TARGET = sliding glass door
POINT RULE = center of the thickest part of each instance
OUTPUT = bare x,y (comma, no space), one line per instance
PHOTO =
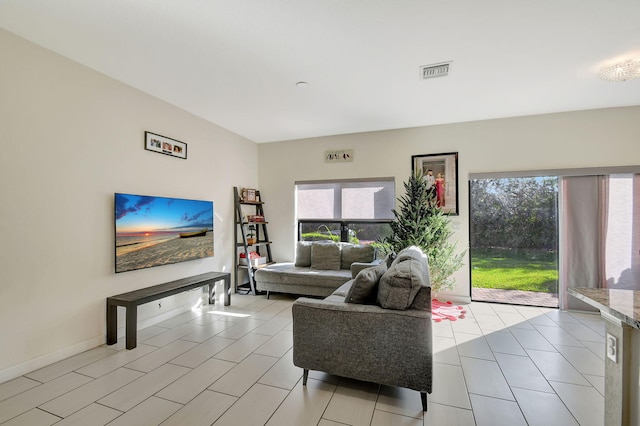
514,240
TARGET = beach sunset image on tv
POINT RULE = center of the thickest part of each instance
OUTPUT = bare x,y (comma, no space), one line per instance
153,231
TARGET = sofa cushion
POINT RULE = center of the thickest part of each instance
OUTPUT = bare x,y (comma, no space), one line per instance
399,286
303,253
325,256
352,253
364,289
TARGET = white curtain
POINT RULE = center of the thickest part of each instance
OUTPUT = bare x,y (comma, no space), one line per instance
583,235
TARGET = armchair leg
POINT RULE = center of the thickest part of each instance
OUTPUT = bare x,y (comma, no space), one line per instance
305,376
423,397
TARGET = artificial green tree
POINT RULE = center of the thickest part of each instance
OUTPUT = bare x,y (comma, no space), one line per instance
419,221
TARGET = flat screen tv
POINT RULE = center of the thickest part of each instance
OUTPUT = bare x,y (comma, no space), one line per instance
153,231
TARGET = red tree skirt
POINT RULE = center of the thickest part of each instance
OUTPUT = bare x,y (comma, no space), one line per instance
446,310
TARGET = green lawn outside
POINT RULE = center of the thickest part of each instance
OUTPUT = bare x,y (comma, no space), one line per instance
509,271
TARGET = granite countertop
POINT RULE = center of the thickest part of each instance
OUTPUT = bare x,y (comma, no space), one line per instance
621,304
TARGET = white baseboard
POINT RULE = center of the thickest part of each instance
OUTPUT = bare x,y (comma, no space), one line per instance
454,298
48,359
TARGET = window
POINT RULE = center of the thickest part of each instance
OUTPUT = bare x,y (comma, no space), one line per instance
357,210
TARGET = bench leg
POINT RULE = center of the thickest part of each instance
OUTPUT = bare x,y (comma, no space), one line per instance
305,376
112,323
423,397
132,326
227,290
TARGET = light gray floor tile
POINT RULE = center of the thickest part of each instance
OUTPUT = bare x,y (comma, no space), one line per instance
531,339
468,326
325,422
79,398
597,348
557,335
33,417
160,356
521,372
543,409
561,317
485,378
481,308
148,332
597,382
582,332
254,408
445,350
152,411
67,365
244,346
353,403
181,319
451,389
277,345
91,415
191,384
25,401
137,391
473,345
402,401
583,359
585,403
383,418
438,414
500,308
504,342
206,331
541,319
283,374
241,328
240,378
489,323
272,326
16,386
442,329
115,361
304,405
203,410
172,335
199,354
496,412
514,319
555,367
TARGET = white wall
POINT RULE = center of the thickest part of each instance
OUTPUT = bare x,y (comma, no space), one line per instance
608,137
70,138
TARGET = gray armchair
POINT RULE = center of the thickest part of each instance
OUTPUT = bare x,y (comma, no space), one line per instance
366,341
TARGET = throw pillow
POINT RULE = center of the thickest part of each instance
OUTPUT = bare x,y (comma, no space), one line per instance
325,256
364,289
303,253
352,253
400,284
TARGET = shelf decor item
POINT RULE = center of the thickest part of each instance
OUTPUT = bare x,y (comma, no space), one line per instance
248,195
164,145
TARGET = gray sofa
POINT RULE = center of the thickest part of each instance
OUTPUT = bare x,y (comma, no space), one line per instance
375,328
319,269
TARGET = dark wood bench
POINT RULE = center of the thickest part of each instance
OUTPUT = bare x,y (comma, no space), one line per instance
132,299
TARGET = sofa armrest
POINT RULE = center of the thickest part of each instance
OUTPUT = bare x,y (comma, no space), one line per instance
359,266
364,342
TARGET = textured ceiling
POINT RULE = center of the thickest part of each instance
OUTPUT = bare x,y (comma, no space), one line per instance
236,63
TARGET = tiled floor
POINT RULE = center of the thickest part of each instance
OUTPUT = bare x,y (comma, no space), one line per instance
501,365
516,297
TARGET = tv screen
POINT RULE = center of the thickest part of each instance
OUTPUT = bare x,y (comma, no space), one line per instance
153,231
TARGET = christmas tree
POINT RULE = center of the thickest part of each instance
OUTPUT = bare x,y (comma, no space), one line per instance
420,222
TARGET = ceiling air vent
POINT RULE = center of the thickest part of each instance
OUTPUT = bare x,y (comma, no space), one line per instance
434,70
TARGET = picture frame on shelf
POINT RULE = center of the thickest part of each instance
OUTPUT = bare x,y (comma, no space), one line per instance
441,170
164,145
249,195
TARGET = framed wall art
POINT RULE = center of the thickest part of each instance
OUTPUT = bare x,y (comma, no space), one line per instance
165,145
441,171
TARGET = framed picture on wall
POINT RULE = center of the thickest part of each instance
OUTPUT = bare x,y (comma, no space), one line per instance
441,171
165,145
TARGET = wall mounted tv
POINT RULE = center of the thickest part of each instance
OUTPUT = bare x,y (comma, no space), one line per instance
153,231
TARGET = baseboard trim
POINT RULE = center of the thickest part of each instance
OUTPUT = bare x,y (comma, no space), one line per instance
51,358
454,298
